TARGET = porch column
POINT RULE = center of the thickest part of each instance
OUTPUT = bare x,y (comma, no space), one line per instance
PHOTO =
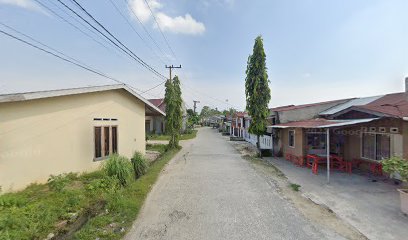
328,153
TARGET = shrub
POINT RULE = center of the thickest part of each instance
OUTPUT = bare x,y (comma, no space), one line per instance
102,185
295,187
58,182
139,164
396,165
118,167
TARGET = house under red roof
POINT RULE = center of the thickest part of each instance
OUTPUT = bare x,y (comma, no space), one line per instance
159,103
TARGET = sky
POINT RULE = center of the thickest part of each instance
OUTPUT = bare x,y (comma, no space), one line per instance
316,50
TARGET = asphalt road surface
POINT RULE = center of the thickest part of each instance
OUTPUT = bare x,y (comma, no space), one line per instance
209,192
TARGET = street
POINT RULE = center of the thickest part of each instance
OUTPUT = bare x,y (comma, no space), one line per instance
210,192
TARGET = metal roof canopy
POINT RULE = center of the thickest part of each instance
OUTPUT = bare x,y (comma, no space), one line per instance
325,124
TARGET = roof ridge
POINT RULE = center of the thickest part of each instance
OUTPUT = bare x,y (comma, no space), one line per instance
63,89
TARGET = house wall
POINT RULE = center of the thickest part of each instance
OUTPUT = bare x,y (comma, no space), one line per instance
151,125
298,150
352,144
158,122
56,135
405,139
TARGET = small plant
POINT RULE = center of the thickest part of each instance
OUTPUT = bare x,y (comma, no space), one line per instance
101,185
57,183
139,164
396,165
118,167
295,187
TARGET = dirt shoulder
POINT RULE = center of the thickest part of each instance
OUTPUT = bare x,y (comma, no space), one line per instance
320,215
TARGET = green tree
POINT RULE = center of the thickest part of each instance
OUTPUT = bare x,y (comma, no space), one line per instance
257,90
192,117
174,113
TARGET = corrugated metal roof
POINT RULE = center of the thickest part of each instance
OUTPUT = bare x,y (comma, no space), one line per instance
25,96
395,104
295,107
352,102
322,123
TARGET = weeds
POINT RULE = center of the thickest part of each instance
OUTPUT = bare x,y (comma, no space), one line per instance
35,212
118,167
295,187
139,164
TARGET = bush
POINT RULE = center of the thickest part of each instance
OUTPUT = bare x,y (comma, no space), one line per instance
396,165
118,167
139,164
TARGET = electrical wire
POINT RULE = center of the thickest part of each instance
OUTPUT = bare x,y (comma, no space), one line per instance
122,47
161,31
134,30
144,28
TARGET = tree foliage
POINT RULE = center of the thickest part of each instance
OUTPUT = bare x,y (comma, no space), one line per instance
207,111
174,113
192,118
257,89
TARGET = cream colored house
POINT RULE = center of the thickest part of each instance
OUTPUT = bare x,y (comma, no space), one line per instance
70,130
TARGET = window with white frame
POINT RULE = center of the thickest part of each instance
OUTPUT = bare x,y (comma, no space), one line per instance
291,138
375,146
105,141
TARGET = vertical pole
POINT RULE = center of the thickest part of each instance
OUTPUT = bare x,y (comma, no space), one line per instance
328,153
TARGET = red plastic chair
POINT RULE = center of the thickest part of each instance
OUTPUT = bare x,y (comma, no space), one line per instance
300,161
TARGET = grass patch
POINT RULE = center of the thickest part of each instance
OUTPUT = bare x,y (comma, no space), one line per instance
295,187
41,209
161,148
163,137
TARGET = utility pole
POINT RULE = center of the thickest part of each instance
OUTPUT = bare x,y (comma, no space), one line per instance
195,105
170,70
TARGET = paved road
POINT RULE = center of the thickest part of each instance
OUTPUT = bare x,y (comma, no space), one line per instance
212,193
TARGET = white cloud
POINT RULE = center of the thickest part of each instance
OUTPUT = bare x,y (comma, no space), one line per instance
27,4
142,11
180,24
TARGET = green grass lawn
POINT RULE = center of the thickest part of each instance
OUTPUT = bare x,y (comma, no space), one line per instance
191,135
41,209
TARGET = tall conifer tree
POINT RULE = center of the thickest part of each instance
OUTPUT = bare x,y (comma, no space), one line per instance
257,90
174,113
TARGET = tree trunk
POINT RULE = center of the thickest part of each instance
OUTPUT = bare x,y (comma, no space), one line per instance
258,146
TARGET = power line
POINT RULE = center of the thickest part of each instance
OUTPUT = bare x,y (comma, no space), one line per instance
208,96
156,86
124,48
144,27
64,57
133,28
138,59
158,26
66,21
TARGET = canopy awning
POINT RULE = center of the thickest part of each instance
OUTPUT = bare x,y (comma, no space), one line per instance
322,123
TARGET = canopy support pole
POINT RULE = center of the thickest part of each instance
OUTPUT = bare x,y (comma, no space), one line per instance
328,153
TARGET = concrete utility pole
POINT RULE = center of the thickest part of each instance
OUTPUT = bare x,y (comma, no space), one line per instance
171,68
195,105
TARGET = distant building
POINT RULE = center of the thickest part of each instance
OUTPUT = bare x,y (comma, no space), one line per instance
155,124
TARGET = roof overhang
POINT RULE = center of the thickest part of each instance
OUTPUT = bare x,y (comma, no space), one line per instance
324,124
17,97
